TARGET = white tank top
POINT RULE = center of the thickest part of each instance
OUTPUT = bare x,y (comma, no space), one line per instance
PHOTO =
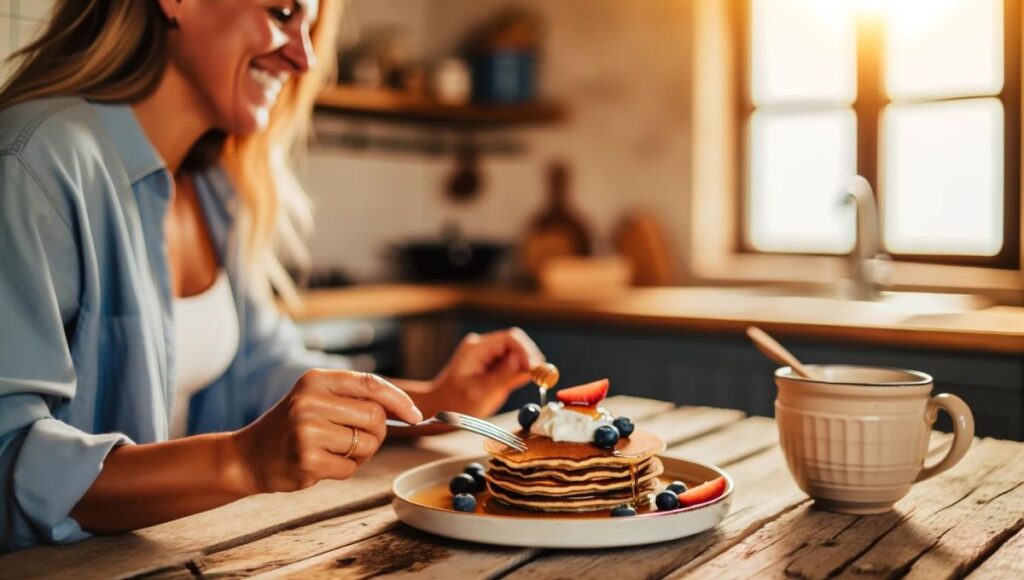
206,340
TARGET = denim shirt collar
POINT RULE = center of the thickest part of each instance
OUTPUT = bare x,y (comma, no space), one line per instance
133,146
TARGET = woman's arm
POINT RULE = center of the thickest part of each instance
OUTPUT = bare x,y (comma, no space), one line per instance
143,485
306,437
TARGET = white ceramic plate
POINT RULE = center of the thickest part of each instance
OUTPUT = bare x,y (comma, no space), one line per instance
526,530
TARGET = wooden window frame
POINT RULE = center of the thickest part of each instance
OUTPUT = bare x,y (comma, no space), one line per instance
869,105
715,254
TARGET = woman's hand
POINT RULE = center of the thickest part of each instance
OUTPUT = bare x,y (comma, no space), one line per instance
308,435
483,371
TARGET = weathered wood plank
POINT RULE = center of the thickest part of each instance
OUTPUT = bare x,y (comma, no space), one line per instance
687,423
472,560
408,552
945,511
280,549
1007,563
741,439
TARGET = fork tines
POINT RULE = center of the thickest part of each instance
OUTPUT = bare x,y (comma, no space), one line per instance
484,428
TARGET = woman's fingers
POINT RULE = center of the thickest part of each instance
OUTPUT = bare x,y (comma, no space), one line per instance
346,411
513,343
319,464
369,387
345,441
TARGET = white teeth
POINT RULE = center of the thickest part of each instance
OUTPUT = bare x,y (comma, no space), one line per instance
271,84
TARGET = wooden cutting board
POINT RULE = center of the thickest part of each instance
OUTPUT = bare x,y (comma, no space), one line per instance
642,240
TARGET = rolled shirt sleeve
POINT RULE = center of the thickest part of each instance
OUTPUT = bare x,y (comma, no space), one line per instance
46,465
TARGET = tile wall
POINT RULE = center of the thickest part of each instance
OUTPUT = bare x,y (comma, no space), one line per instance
19,23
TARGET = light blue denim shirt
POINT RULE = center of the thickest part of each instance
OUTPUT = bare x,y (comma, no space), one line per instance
86,328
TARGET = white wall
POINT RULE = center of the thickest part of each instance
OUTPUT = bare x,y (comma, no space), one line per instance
622,68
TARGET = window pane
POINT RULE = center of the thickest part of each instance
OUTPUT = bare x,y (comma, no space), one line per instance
799,165
944,48
943,178
802,50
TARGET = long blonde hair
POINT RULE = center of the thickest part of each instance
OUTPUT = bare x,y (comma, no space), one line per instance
116,51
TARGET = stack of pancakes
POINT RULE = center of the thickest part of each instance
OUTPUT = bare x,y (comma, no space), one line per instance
574,477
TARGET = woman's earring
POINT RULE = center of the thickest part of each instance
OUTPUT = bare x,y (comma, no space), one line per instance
173,23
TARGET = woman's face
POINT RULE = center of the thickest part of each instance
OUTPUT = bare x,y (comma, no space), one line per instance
236,55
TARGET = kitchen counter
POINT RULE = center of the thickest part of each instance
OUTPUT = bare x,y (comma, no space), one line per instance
997,329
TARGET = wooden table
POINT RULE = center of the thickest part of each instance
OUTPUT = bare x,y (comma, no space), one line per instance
967,522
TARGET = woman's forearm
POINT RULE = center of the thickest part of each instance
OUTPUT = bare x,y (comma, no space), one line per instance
144,485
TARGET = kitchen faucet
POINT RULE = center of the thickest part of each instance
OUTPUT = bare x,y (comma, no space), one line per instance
868,266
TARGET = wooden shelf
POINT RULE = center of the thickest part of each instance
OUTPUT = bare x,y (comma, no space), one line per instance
395,106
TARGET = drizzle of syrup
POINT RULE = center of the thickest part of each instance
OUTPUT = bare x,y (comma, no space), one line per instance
632,485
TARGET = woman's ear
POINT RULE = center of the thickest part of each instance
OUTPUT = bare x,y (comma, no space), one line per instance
172,11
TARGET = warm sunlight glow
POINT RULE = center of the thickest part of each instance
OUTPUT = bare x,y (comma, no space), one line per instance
943,184
944,48
799,164
802,50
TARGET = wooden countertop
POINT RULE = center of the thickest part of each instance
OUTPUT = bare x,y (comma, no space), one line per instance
964,521
993,329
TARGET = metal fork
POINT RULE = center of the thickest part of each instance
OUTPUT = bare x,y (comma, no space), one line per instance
478,426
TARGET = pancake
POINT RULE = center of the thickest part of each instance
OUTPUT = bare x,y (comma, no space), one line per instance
555,487
563,476
575,475
570,503
544,452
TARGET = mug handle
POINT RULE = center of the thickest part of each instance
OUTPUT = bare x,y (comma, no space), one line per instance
963,431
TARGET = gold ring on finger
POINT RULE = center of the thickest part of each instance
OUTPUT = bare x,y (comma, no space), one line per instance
353,444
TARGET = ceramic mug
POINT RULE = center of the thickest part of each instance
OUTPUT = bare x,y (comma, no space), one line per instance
856,437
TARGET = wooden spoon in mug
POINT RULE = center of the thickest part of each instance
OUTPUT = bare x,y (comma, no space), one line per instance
775,351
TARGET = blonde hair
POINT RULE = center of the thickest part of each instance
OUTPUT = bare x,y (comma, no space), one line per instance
116,51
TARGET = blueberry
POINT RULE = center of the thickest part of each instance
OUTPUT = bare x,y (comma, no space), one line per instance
464,502
624,425
623,510
677,486
476,471
606,436
528,414
667,500
463,483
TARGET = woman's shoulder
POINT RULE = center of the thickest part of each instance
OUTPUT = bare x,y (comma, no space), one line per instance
64,144
55,121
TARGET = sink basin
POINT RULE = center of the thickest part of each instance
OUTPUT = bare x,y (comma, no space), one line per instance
905,302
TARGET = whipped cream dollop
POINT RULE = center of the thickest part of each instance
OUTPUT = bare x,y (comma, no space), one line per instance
563,424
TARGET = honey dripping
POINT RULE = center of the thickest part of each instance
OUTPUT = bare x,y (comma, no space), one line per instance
545,376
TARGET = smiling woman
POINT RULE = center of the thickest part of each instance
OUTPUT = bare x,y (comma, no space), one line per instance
144,184
123,51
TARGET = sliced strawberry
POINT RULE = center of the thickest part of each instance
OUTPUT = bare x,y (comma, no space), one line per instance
589,394
704,492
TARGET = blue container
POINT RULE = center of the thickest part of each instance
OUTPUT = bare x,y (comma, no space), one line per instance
504,77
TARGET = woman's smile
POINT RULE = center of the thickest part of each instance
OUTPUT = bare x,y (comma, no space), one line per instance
265,85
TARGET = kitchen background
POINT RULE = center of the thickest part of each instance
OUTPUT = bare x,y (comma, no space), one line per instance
635,105
621,73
